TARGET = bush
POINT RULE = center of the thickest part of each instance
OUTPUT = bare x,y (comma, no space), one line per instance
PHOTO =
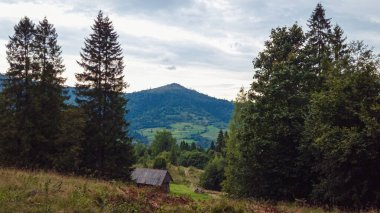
159,163
213,175
193,158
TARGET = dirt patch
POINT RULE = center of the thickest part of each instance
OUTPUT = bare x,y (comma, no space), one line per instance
152,198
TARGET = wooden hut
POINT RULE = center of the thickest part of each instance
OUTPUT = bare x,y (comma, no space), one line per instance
152,177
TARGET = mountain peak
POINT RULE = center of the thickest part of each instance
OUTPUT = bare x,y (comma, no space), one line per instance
172,86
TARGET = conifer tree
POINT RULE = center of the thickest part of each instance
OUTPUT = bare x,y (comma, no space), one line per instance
338,45
220,142
212,146
318,48
107,150
19,96
48,67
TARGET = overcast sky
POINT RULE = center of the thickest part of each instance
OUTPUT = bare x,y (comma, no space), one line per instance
206,45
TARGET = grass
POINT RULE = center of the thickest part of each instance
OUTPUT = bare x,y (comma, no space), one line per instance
180,189
34,191
211,132
185,175
183,131
27,191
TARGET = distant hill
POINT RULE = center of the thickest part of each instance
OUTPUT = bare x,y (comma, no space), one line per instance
188,114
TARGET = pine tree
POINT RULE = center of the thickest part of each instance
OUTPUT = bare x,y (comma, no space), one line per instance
108,150
338,45
48,67
212,146
318,48
193,146
19,94
220,142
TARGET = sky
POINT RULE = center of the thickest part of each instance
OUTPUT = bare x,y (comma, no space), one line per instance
206,45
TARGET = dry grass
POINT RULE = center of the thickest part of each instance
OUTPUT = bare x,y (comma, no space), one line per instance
31,191
25,191
185,175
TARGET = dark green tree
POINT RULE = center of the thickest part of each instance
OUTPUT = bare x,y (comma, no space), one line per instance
193,146
173,155
159,163
48,68
338,44
317,49
108,150
344,128
20,140
212,146
213,175
163,141
183,146
235,162
68,146
220,143
193,158
265,142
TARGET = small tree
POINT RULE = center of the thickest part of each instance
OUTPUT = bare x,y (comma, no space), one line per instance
212,146
159,163
214,174
220,143
163,141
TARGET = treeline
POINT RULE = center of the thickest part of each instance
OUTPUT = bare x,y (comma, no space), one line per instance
309,127
164,149
38,131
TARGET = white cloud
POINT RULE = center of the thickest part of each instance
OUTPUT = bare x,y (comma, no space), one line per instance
210,43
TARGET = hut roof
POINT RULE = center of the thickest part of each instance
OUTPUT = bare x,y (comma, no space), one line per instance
153,177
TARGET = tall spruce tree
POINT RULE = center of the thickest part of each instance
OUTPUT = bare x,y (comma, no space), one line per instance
318,48
338,46
19,97
107,150
48,67
220,142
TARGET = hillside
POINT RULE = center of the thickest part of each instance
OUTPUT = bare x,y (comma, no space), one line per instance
26,191
188,114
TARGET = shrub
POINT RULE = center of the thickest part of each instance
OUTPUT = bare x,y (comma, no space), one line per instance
159,163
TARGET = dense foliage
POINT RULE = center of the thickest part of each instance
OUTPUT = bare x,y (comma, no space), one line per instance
163,141
32,100
309,126
39,130
214,174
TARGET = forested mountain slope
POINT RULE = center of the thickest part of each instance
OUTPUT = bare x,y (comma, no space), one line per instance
190,115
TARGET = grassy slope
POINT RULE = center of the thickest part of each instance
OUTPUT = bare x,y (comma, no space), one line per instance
183,131
22,191
183,190
25,191
185,175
